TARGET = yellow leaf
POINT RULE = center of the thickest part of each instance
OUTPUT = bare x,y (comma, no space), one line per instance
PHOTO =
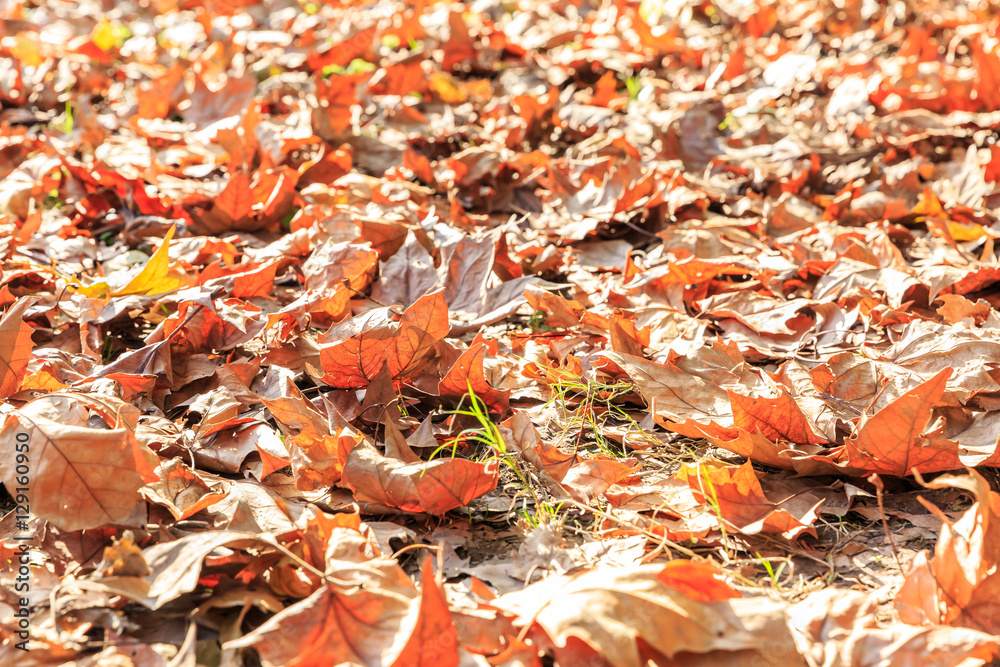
447,89
961,232
96,290
26,50
105,35
42,380
154,277
928,204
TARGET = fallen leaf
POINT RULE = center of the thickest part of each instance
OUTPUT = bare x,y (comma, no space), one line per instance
893,442
15,347
953,587
80,476
740,499
468,372
402,481
353,352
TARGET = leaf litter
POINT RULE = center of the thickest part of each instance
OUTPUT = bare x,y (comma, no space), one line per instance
499,333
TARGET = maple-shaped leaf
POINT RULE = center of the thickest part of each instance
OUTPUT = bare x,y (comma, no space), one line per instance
173,568
569,474
180,490
619,614
469,371
737,495
892,442
81,476
805,460
353,352
955,586
676,394
434,640
400,479
334,263
15,347
407,275
591,476
203,324
252,281
317,447
274,191
336,95
778,419
236,199
209,106
372,625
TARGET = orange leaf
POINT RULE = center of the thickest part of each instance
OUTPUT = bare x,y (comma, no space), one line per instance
777,419
358,348
15,347
236,199
255,282
333,626
892,441
468,370
434,640
433,487
317,449
699,580
741,502
419,165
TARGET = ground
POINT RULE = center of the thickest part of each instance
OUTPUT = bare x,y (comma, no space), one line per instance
499,333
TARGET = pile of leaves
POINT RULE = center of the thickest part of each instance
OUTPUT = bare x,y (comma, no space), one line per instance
499,333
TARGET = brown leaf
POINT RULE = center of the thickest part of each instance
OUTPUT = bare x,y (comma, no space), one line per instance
80,476
677,394
181,490
174,567
411,485
953,587
609,613
406,276
333,263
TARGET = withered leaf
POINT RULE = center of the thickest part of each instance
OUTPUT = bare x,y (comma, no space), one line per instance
352,353
406,483
15,347
80,476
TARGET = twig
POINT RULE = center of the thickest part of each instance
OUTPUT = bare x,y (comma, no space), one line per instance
877,481
648,533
